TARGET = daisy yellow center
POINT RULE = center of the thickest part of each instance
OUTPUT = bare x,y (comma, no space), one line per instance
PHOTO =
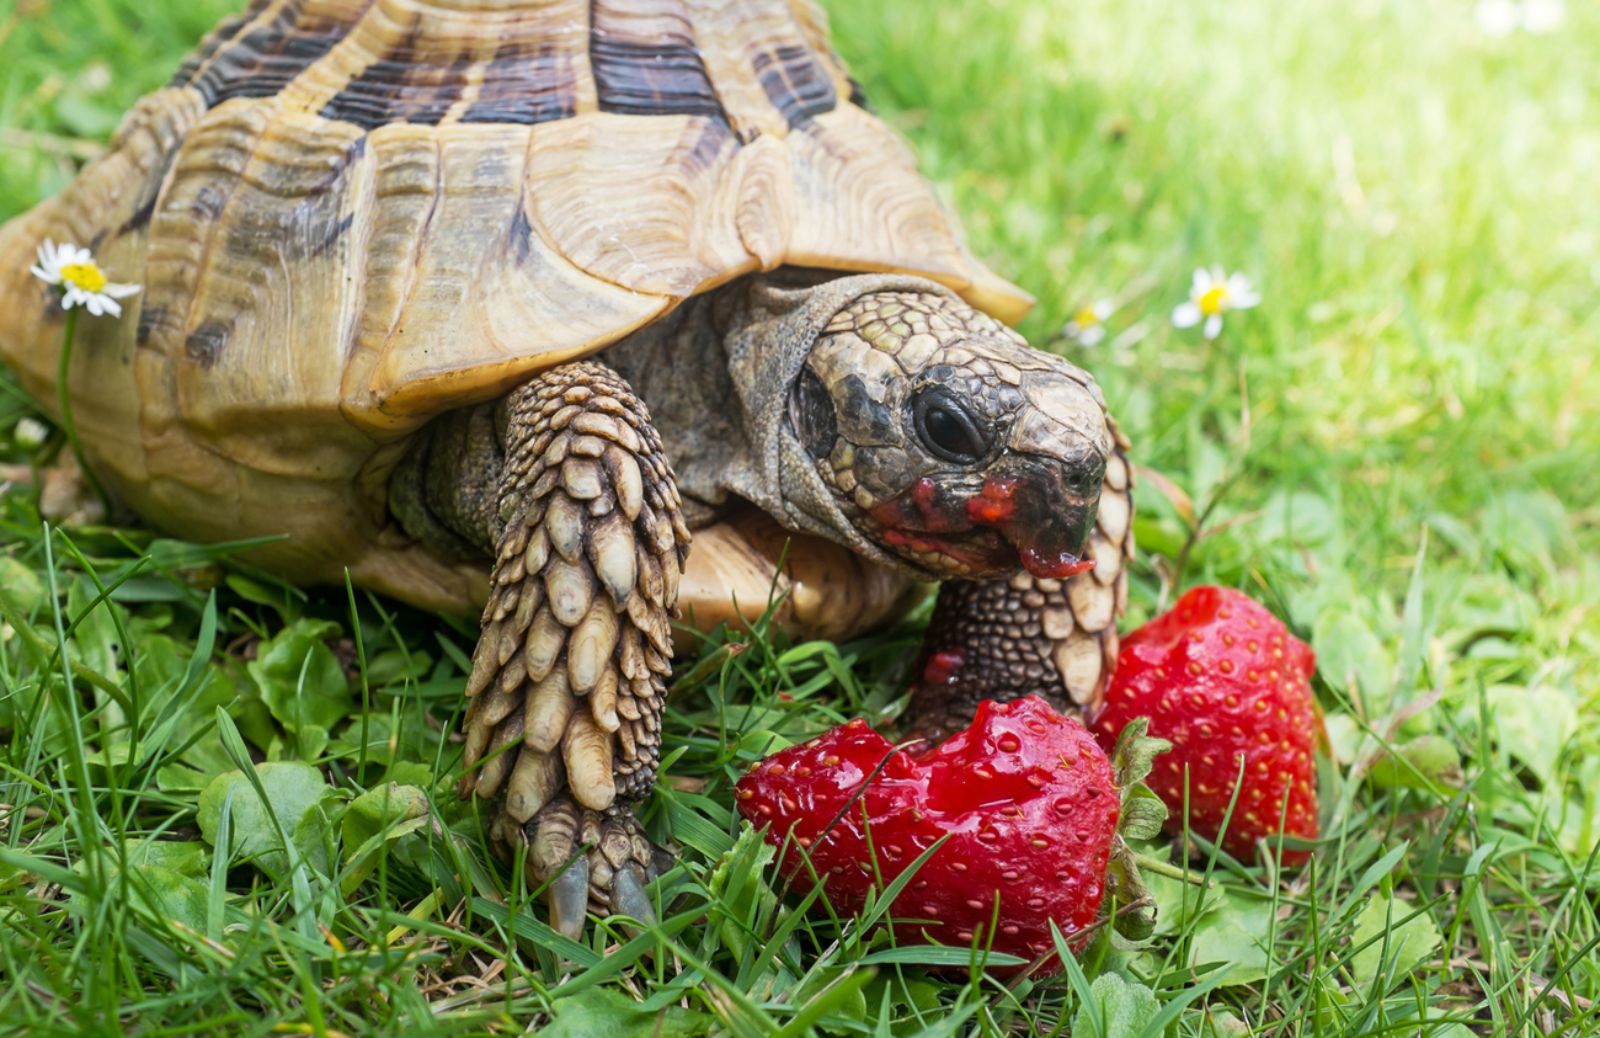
86,276
1212,300
1086,318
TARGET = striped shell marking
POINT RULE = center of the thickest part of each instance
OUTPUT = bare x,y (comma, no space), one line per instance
351,215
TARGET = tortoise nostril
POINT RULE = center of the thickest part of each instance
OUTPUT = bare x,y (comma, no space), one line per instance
1083,476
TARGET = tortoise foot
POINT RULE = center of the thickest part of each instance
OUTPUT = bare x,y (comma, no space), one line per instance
589,862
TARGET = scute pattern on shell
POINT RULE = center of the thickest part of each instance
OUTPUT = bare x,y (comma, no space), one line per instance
351,215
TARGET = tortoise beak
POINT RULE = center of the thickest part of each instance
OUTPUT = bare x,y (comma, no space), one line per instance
1034,507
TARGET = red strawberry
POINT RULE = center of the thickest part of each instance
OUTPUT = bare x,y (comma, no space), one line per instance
1221,677
1028,800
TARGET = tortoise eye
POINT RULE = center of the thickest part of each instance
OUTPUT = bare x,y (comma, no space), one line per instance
947,428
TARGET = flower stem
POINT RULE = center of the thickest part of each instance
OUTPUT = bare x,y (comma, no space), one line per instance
64,402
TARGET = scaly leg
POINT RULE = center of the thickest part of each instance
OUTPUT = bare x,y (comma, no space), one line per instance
568,680
1004,639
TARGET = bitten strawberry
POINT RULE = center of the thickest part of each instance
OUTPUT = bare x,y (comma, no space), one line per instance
1221,677
1029,802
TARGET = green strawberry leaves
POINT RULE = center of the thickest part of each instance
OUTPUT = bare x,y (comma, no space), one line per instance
1143,815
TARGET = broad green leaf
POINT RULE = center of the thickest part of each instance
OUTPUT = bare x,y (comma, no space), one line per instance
186,857
1346,738
375,819
1299,518
170,894
1426,762
294,789
1533,724
180,778
606,1013
835,991
1120,1009
1234,933
1487,605
392,667
1177,902
164,878
1223,1024
21,592
391,811
1407,945
1525,527
903,996
1350,653
411,773
302,683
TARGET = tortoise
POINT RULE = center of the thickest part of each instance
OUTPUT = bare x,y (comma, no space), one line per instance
500,305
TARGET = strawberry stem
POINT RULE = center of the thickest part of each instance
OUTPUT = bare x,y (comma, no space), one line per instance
1169,870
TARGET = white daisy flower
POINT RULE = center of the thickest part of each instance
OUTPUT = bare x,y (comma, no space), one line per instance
1498,17
1504,17
1088,325
1540,16
30,433
1213,294
81,280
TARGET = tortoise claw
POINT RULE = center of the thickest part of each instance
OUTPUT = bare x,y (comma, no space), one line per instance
588,861
568,897
628,896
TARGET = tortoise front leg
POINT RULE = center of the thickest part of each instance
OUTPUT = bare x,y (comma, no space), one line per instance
1004,639
568,681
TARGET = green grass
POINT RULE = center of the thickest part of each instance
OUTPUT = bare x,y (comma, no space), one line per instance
1397,451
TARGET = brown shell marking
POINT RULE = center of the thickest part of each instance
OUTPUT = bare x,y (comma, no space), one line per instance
259,56
642,59
646,61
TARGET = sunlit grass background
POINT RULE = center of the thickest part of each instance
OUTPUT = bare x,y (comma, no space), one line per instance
1397,451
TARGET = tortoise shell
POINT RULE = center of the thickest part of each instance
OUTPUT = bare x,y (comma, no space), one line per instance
351,215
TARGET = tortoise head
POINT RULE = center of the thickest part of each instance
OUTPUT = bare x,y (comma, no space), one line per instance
948,441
